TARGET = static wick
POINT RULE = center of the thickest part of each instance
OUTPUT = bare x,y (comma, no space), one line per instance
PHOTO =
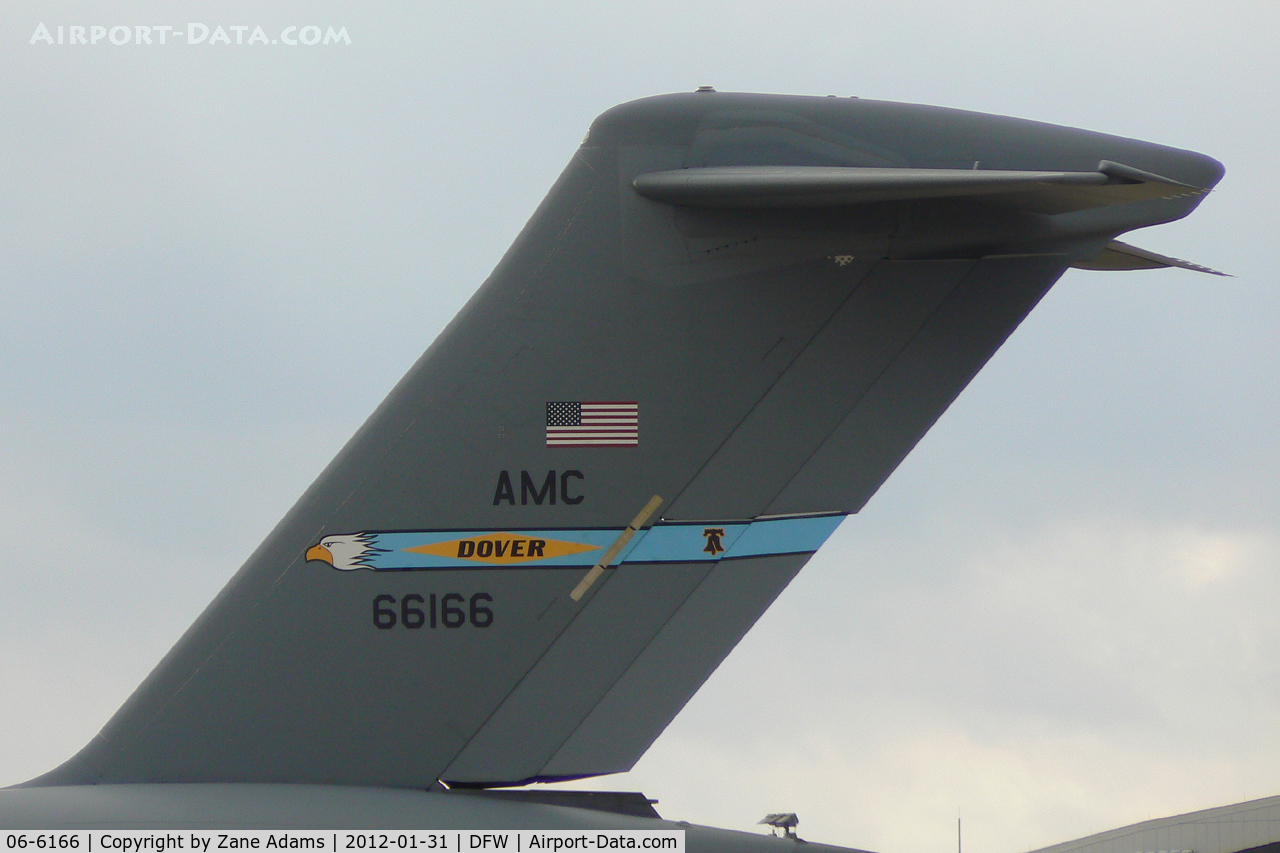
618,544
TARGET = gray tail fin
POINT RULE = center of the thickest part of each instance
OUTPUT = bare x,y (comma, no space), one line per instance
622,449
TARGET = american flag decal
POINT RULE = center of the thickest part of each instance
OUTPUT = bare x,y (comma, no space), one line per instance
600,424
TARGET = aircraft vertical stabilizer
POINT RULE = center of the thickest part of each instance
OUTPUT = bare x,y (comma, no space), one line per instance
726,325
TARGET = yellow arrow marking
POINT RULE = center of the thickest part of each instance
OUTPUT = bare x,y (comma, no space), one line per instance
502,548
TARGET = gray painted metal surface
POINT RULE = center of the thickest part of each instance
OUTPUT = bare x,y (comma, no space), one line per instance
673,666
1226,829
822,383
913,391
409,620
576,671
839,186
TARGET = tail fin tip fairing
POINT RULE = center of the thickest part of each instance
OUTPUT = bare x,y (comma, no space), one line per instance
1121,256
762,368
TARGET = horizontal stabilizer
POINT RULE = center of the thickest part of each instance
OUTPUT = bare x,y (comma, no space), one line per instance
837,186
1122,256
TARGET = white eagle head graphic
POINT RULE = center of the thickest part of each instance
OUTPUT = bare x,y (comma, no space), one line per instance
344,551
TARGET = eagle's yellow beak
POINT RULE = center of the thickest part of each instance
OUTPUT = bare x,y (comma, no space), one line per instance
319,552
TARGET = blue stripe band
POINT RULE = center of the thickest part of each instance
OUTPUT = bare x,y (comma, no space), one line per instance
419,550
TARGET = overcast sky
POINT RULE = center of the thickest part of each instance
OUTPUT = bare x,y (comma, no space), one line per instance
1057,617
